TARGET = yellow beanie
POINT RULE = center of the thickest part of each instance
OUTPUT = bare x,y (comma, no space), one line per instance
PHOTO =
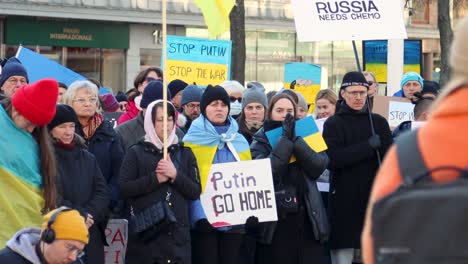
68,225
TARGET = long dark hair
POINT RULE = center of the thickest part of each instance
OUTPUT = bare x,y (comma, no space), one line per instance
47,159
278,97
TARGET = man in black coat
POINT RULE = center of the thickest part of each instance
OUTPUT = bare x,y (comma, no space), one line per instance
352,149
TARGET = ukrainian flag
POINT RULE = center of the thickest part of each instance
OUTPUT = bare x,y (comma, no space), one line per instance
21,198
216,14
305,128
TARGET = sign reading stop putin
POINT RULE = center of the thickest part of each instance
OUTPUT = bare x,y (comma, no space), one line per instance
199,61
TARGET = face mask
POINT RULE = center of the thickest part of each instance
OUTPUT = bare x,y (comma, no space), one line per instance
236,108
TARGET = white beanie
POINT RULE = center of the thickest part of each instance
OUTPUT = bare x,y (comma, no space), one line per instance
232,87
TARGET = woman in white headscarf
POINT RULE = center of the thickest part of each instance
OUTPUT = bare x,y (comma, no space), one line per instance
146,178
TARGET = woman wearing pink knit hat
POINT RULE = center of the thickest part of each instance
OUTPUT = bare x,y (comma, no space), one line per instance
27,166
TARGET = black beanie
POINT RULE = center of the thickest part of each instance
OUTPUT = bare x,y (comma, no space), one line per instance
354,78
63,114
176,86
153,91
430,87
213,93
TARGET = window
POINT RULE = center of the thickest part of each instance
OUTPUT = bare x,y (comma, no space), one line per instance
420,12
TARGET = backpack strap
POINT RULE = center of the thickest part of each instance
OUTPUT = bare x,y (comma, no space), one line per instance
409,157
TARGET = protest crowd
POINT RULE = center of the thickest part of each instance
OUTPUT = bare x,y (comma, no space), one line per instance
69,164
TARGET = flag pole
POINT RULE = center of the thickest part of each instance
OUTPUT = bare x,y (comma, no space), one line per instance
164,33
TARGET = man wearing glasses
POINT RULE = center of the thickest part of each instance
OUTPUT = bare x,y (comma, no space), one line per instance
12,76
34,245
190,107
352,149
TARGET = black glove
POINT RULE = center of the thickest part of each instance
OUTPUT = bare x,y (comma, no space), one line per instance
252,226
374,141
289,126
203,226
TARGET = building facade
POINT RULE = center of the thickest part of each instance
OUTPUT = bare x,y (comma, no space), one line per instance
112,40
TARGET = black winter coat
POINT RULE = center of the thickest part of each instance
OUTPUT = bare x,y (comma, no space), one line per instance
107,148
141,189
353,166
308,163
82,187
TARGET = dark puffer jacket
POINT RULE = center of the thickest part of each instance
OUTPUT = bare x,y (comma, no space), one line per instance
353,164
308,163
82,187
107,148
141,190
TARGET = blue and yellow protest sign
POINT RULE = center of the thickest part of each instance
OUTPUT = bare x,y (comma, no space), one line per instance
307,78
305,128
39,67
199,61
375,57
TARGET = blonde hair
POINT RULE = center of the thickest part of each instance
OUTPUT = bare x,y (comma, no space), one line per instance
327,94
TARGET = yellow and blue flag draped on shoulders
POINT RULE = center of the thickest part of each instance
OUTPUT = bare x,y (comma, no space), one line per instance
205,142
216,15
305,128
20,179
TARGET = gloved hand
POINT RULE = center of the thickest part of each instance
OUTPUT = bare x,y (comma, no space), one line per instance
203,226
374,141
289,126
252,226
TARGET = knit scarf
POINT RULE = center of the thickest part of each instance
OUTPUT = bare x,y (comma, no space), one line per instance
204,140
93,123
151,135
252,124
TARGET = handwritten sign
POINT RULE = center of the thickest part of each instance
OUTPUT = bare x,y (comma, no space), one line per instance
348,20
199,61
116,236
307,77
237,190
394,109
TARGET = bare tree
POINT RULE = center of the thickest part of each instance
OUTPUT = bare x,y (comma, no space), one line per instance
237,17
446,37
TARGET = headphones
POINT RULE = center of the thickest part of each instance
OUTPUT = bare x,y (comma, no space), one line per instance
48,234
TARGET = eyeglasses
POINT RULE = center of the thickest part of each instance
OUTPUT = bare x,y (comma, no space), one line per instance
15,81
355,94
74,250
233,99
193,106
84,101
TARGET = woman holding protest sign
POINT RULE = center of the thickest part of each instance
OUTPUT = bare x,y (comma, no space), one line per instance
296,237
146,180
214,138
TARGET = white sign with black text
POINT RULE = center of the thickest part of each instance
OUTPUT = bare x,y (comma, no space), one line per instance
331,20
237,190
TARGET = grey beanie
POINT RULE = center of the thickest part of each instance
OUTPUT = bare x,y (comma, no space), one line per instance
192,93
254,95
302,101
257,85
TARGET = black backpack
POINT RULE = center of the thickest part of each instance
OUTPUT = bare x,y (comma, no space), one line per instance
422,221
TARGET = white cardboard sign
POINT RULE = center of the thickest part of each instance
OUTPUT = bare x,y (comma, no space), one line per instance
330,20
116,236
237,190
399,112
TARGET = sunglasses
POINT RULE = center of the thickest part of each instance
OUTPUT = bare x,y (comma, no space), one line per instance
233,99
